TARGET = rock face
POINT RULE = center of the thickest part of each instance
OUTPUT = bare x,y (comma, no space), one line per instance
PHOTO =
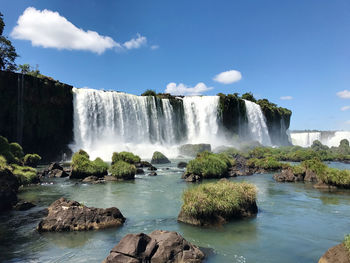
159,158
8,189
55,170
194,149
159,247
66,215
336,254
287,175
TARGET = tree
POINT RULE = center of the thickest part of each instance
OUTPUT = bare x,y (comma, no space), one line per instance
24,69
248,96
8,53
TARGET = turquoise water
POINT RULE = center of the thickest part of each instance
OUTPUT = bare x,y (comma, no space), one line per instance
295,223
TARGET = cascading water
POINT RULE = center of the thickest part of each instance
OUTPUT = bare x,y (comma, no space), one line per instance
201,118
329,138
256,123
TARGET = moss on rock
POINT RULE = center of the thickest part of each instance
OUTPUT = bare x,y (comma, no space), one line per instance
159,158
82,166
126,157
123,170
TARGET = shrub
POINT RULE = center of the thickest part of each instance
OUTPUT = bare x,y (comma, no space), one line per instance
248,96
149,92
24,174
123,170
347,242
32,160
82,166
5,150
126,157
208,165
16,150
221,198
267,163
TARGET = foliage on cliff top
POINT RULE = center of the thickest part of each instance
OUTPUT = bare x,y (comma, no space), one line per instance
123,170
266,105
221,198
126,157
81,165
249,96
209,165
149,92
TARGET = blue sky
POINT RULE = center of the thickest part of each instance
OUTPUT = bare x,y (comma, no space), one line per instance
297,48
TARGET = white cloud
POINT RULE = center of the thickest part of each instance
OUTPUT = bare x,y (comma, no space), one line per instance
51,30
154,47
345,108
182,89
286,98
135,42
345,94
228,77
347,122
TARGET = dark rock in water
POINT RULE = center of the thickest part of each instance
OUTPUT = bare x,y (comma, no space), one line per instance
152,168
194,149
192,178
143,164
54,166
323,186
159,158
181,165
140,171
66,215
336,254
285,175
8,189
23,205
58,173
91,179
110,178
159,246
152,174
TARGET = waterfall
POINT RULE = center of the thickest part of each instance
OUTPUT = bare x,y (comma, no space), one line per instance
20,94
305,139
256,123
106,121
201,118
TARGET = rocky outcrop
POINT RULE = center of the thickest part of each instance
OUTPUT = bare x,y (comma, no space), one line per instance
159,246
23,206
194,149
159,158
336,254
66,215
55,170
288,175
8,189
181,165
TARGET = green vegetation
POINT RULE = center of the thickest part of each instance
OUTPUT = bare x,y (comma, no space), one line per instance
32,159
347,242
248,96
24,174
209,165
222,198
82,166
8,53
126,157
123,170
149,92
158,158
267,163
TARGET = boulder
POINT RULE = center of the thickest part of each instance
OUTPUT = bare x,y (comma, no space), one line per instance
92,179
323,186
139,171
152,168
152,174
54,166
57,173
310,176
143,164
159,158
8,189
192,178
67,215
194,149
336,254
286,175
181,165
23,206
159,247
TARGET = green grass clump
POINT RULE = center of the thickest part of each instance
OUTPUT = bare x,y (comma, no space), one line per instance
31,159
209,165
83,167
267,163
123,170
126,157
221,198
24,174
16,150
347,242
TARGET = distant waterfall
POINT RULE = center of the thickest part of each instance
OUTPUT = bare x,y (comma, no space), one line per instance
329,138
256,123
201,118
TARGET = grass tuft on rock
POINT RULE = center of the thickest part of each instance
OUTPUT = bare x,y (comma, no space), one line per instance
82,166
209,165
123,170
126,157
24,174
223,198
31,159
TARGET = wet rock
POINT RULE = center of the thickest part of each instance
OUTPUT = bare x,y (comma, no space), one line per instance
91,179
159,246
310,176
54,166
110,178
285,175
23,206
152,168
152,174
192,178
67,215
8,189
181,165
140,171
336,254
143,164
159,158
323,186
58,173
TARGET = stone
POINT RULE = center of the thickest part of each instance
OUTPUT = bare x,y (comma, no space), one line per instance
336,254
140,171
23,206
67,215
152,174
181,165
8,189
286,175
158,247
159,158
310,176
57,173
